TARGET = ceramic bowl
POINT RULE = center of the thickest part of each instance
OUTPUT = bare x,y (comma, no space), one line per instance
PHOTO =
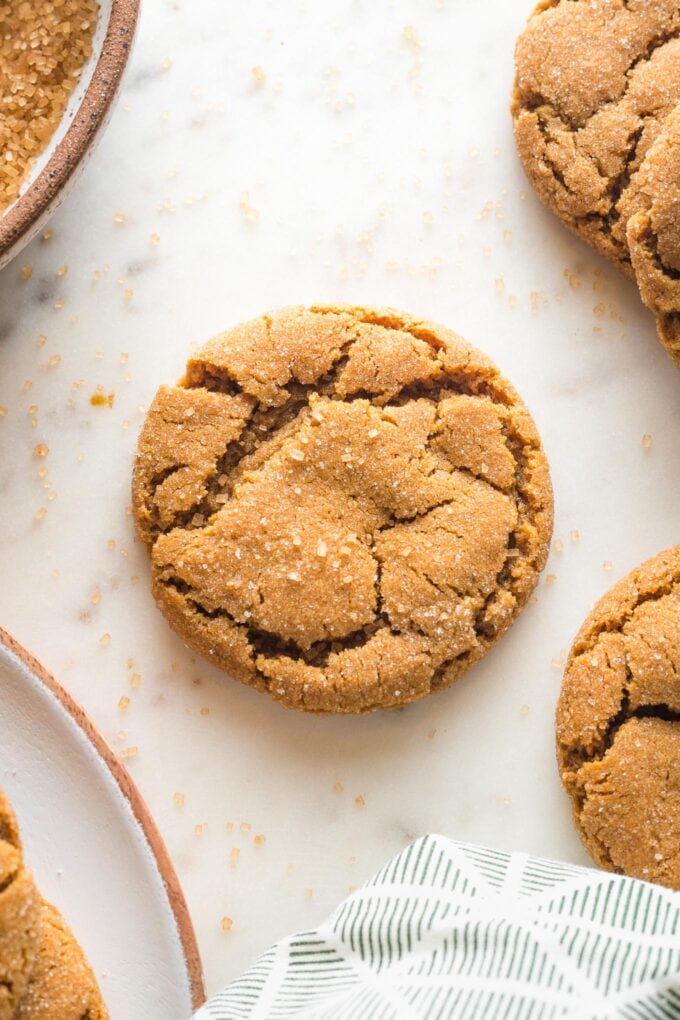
85,117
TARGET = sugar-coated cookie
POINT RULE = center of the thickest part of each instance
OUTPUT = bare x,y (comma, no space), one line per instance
654,233
20,915
618,725
595,82
62,985
345,507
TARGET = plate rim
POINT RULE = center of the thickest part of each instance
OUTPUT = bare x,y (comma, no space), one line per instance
142,815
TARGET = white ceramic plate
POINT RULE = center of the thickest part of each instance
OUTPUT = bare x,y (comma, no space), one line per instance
93,848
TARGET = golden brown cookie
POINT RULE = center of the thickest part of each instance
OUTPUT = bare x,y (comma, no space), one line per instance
618,725
345,507
62,985
20,915
654,233
595,82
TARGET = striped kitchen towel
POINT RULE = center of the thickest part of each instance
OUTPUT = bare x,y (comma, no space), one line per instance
448,930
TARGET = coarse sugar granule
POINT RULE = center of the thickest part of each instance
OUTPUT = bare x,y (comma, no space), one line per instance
44,45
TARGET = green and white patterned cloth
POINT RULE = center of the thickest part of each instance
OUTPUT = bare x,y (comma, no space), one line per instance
448,930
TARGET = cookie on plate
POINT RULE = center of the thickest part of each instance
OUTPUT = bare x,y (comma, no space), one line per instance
618,725
62,985
654,233
595,82
345,507
20,915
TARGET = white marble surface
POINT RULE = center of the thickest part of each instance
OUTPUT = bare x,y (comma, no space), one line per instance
378,153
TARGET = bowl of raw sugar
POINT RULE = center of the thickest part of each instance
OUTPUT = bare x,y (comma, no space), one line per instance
61,65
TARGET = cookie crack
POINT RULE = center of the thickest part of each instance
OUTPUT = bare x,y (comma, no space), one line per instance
155,482
615,186
548,139
397,519
601,228
535,100
8,881
654,652
577,755
221,482
390,321
662,39
520,450
579,793
270,645
613,625
265,425
222,380
661,711
439,674
650,241
619,184
608,736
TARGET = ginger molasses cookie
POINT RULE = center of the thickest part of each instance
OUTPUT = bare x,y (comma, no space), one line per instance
345,507
20,915
618,725
62,985
654,233
595,82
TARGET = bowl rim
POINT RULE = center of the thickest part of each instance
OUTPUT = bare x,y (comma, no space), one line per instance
45,193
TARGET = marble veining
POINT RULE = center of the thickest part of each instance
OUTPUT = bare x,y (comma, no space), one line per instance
270,153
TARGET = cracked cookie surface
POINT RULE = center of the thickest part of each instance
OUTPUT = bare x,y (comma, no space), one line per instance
595,82
345,507
618,725
20,915
62,985
654,233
